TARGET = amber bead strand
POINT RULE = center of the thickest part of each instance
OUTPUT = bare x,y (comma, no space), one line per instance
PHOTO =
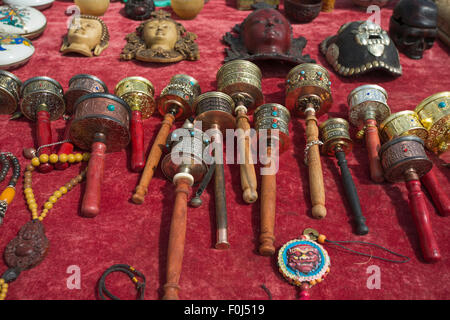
48,205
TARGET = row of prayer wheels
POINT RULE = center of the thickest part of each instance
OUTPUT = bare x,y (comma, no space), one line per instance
102,122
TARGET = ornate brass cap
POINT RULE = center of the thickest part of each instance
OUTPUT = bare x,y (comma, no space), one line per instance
80,85
308,84
368,102
434,114
274,117
178,96
241,80
215,109
404,154
39,91
187,146
9,92
403,123
335,136
101,113
139,93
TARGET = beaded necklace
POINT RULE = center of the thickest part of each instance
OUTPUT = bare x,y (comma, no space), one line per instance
30,246
7,196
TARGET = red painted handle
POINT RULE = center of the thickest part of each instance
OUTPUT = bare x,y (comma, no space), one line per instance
137,142
373,146
44,136
438,194
417,205
94,177
66,148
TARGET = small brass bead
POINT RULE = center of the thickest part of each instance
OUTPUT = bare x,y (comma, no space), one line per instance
57,194
53,158
48,205
27,174
63,190
32,206
78,157
63,158
71,158
43,158
35,162
86,156
52,199
30,167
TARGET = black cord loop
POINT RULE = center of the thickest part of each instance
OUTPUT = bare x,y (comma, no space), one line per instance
131,272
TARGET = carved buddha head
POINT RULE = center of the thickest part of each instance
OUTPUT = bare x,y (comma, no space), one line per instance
87,35
160,39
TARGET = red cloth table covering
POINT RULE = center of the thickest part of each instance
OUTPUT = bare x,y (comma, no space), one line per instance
138,235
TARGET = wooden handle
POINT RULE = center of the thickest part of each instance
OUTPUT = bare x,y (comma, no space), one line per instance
248,175
90,206
268,206
438,194
373,146
418,208
44,136
137,141
352,195
66,148
221,208
316,185
177,237
153,159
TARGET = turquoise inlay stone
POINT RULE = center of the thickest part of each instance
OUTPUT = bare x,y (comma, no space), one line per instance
111,107
274,113
442,104
274,125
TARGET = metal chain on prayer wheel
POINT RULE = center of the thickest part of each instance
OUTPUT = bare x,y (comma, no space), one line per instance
308,95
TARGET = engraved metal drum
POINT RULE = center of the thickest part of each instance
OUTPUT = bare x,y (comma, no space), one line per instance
401,154
101,113
42,90
368,101
80,85
403,123
434,114
215,109
335,132
305,81
179,95
274,117
241,80
187,152
139,93
9,92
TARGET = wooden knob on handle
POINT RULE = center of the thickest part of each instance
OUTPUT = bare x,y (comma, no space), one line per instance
44,136
137,141
417,205
247,169
177,237
439,195
153,159
373,146
90,206
315,168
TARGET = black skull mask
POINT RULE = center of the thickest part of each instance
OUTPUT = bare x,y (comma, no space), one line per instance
413,27
360,47
139,9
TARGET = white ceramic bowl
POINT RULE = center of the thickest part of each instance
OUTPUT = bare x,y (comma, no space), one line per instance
37,4
25,21
14,51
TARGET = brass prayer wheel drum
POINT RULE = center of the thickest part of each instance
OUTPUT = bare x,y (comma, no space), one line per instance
101,113
186,154
40,92
307,84
215,109
9,92
178,96
434,114
335,133
402,154
241,80
139,93
274,117
80,85
403,123
368,102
